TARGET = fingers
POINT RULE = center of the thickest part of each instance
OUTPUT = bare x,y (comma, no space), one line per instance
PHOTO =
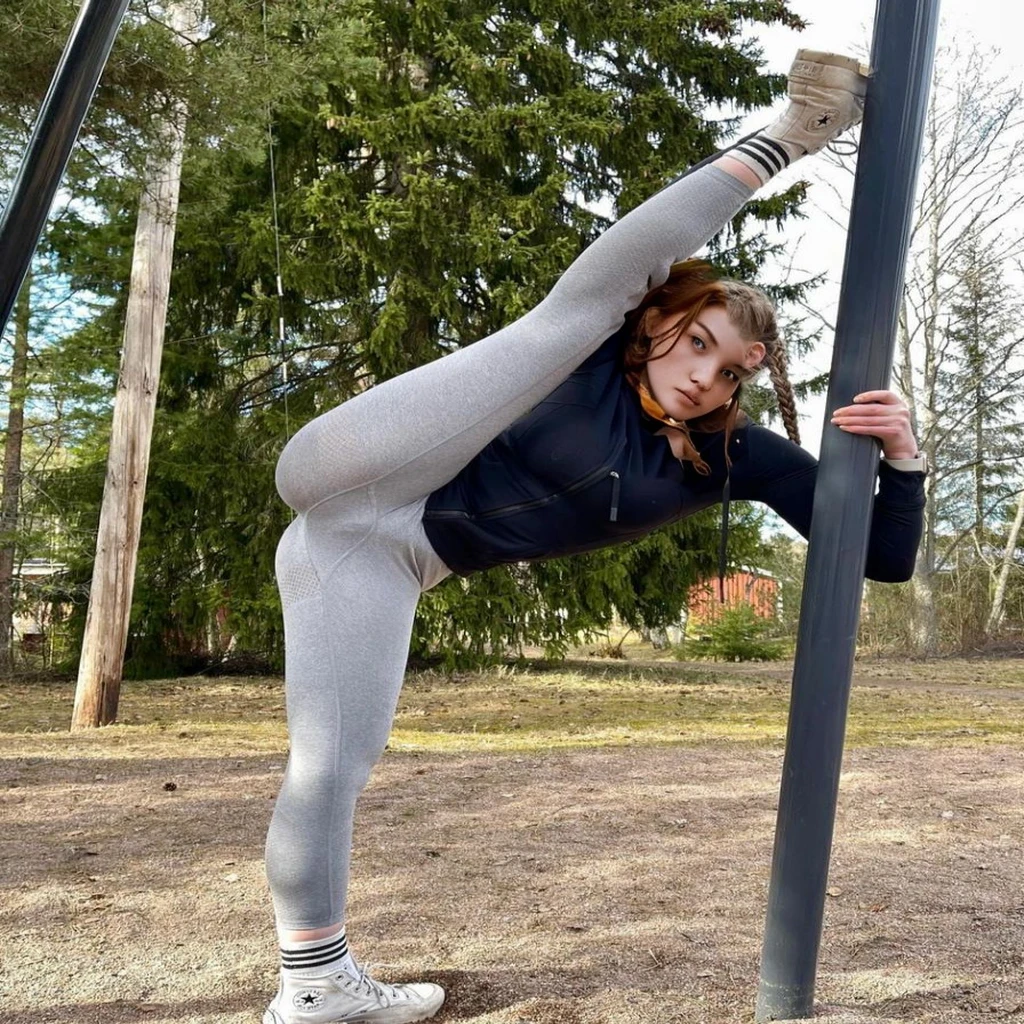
881,414
873,407
885,397
880,421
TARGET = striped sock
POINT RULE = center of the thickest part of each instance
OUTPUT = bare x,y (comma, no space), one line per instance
764,155
318,957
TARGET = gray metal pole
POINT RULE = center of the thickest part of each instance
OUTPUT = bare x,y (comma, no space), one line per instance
53,138
880,221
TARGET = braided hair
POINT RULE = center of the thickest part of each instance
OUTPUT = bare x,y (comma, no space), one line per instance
753,314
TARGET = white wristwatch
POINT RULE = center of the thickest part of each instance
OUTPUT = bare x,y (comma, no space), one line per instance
918,464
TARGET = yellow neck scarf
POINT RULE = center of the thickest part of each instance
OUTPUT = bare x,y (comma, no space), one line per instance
651,406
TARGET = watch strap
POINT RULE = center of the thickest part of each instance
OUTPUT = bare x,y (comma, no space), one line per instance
918,464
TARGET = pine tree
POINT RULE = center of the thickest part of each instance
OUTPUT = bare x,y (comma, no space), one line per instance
438,165
978,378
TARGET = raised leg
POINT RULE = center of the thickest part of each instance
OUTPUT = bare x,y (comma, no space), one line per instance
441,414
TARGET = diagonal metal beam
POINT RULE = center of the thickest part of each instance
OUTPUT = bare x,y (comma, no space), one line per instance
53,138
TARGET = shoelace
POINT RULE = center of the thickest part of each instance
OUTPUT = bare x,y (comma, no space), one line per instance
366,984
842,147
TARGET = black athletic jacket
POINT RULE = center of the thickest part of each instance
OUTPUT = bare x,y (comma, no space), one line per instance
585,469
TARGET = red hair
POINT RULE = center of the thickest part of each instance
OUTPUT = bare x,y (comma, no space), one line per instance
692,287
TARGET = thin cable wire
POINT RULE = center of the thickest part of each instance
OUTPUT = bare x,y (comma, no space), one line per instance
281,335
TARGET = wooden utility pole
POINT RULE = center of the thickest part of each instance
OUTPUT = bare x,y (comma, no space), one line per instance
11,499
117,543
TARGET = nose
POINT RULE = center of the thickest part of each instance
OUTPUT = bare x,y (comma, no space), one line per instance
702,378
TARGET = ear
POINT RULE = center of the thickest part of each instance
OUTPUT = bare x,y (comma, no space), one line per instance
755,355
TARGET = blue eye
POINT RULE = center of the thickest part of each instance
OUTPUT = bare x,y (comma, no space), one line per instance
698,343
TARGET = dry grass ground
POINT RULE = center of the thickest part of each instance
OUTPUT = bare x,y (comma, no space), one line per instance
581,844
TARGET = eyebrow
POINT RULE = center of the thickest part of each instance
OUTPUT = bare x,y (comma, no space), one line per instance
707,330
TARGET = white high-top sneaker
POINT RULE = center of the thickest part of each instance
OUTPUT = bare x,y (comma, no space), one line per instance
826,92
344,999
826,96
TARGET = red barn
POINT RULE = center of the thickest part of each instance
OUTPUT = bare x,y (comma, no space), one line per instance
758,589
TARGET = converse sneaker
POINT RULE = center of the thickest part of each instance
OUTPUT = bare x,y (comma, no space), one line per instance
346,999
826,96
826,92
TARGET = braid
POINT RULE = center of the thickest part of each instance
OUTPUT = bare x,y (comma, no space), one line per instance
775,360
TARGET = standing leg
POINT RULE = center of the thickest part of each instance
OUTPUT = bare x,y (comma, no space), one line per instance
346,649
347,630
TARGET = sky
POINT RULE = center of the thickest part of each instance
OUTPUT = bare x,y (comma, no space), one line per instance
819,242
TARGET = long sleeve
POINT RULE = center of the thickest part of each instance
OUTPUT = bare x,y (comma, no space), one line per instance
781,475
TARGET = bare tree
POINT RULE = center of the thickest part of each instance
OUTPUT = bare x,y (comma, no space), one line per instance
995,615
960,345
958,362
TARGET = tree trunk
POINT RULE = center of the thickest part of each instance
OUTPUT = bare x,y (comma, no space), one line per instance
926,614
995,614
110,597
925,611
11,500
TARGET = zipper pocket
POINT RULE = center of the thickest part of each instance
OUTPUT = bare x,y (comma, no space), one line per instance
525,506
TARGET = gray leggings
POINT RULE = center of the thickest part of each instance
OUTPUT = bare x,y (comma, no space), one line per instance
353,563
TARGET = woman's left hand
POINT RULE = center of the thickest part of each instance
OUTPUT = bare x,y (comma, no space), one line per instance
881,414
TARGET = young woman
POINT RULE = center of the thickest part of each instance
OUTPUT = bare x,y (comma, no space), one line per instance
608,410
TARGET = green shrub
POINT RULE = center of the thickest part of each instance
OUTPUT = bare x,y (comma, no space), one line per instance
738,634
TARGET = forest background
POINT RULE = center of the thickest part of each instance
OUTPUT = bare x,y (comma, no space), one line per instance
433,168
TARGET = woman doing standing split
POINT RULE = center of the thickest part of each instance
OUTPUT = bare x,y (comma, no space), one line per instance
608,410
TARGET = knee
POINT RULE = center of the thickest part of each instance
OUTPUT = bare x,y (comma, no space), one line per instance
326,781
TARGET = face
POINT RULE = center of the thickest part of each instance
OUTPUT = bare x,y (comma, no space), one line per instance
702,369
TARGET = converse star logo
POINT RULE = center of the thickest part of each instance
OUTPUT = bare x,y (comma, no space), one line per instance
823,119
308,999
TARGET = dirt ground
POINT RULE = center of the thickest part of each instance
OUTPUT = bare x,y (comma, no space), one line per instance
612,885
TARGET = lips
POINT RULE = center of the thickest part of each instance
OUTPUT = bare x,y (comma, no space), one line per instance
690,397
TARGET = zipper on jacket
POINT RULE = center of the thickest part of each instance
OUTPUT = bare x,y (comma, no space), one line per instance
523,506
613,515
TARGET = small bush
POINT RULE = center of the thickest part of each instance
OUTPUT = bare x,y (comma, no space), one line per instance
738,634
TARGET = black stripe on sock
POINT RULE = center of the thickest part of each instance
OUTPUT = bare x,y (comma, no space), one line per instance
766,151
781,150
311,964
754,155
340,943
315,957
